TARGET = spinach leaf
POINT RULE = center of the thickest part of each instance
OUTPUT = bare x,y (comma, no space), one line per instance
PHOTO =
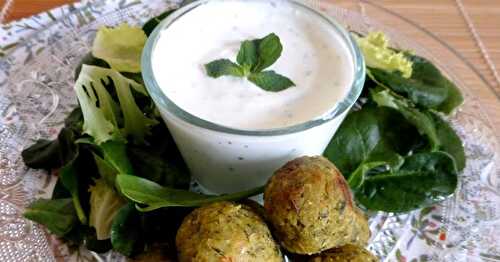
449,140
152,23
154,196
424,179
125,233
427,87
369,135
44,154
427,73
420,93
165,171
420,120
58,215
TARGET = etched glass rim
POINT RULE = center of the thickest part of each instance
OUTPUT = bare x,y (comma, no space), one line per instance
163,102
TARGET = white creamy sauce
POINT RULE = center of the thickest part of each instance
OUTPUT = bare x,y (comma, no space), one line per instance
314,57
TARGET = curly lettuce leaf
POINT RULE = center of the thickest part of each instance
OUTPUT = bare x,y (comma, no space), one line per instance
100,111
378,54
121,47
105,203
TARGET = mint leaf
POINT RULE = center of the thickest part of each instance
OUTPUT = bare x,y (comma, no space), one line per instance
269,50
247,56
223,67
253,57
270,81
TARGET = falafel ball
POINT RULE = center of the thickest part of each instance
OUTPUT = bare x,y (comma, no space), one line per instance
225,231
347,253
311,209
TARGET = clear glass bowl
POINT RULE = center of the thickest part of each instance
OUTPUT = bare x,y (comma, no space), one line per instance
36,81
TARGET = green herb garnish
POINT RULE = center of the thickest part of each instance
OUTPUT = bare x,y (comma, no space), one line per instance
254,56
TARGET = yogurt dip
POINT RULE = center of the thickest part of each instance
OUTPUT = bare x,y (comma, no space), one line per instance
231,133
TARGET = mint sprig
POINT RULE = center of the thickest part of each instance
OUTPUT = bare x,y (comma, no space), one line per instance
253,57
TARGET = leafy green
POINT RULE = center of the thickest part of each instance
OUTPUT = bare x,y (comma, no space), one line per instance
423,180
43,154
58,215
154,196
378,54
419,119
69,179
426,87
421,94
253,57
247,56
152,23
269,50
223,67
427,73
46,154
121,47
125,233
369,135
270,81
101,122
105,203
449,140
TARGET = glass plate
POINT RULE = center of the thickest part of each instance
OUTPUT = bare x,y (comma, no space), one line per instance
36,78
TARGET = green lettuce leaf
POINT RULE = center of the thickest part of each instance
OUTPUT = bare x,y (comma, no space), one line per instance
121,47
100,111
378,54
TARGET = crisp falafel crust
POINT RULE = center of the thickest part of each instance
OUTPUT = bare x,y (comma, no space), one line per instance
347,253
310,206
225,232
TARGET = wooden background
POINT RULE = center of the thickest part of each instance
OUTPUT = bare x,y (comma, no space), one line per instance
445,18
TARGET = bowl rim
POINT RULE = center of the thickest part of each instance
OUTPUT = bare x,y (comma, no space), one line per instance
164,103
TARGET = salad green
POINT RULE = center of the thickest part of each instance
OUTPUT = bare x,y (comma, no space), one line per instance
123,184
114,135
397,151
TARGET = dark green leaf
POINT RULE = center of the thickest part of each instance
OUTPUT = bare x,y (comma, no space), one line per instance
58,215
115,154
74,120
60,191
270,81
426,72
165,169
125,233
427,87
247,56
91,242
44,154
152,23
422,94
269,50
423,180
369,135
154,196
420,120
69,178
223,67
449,140
106,170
